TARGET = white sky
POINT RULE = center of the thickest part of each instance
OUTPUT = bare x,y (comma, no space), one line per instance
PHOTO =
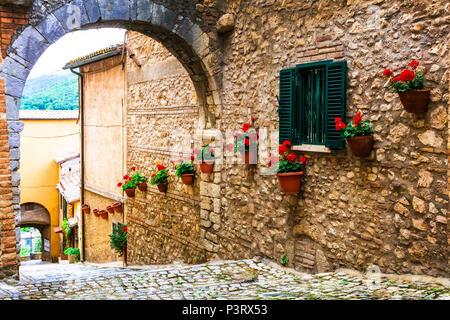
73,45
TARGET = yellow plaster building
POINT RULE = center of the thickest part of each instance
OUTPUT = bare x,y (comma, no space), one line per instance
47,135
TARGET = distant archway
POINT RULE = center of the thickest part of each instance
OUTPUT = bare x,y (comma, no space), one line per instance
36,216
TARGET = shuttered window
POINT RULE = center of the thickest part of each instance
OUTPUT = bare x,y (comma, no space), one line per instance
312,95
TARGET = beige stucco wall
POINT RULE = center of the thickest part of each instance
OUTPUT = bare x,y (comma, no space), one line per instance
103,108
103,101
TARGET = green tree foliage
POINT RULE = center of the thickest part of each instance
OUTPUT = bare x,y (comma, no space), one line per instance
59,95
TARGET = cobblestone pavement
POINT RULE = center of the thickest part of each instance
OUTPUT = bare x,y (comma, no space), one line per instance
244,279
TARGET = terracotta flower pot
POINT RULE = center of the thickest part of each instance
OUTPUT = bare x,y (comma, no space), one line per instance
361,146
162,187
117,207
110,209
95,211
290,182
188,179
142,186
85,208
130,192
415,101
207,166
63,256
247,159
103,214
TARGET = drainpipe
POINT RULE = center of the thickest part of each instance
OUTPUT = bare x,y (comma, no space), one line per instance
81,113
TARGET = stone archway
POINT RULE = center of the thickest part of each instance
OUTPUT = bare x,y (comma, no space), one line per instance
36,216
177,27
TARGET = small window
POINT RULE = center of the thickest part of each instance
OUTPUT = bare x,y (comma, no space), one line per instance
312,95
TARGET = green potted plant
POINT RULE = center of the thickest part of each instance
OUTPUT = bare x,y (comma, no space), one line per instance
289,169
129,186
206,158
160,178
410,88
246,143
185,171
140,179
118,240
358,133
74,254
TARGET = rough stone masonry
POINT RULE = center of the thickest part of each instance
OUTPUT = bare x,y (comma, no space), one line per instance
389,210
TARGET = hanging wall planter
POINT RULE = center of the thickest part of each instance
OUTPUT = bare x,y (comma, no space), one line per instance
130,192
95,211
410,88
207,166
162,187
110,209
358,134
290,182
415,101
160,178
85,208
117,207
142,186
187,179
103,214
360,146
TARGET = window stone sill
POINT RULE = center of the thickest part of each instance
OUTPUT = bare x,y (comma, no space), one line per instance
311,148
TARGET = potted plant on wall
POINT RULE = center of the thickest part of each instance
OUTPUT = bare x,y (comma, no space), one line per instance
95,211
129,186
246,143
185,171
409,86
103,214
118,240
289,169
160,178
110,209
206,158
358,133
140,179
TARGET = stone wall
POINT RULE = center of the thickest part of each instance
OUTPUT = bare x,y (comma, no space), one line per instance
389,210
162,112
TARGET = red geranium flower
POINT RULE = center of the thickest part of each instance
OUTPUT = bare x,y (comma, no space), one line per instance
247,125
282,149
337,120
245,129
119,184
302,159
133,168
287,143
388,73
407,76
125,177
357,119
253,119
395,79
414,64
247,141
292,157
340,125
192,158
160,167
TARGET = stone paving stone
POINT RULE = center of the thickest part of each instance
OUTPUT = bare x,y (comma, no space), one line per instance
219,280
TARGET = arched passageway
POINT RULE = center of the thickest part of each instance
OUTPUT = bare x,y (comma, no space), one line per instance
36,216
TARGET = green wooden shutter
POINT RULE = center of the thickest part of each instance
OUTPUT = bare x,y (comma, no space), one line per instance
336,102
286,105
